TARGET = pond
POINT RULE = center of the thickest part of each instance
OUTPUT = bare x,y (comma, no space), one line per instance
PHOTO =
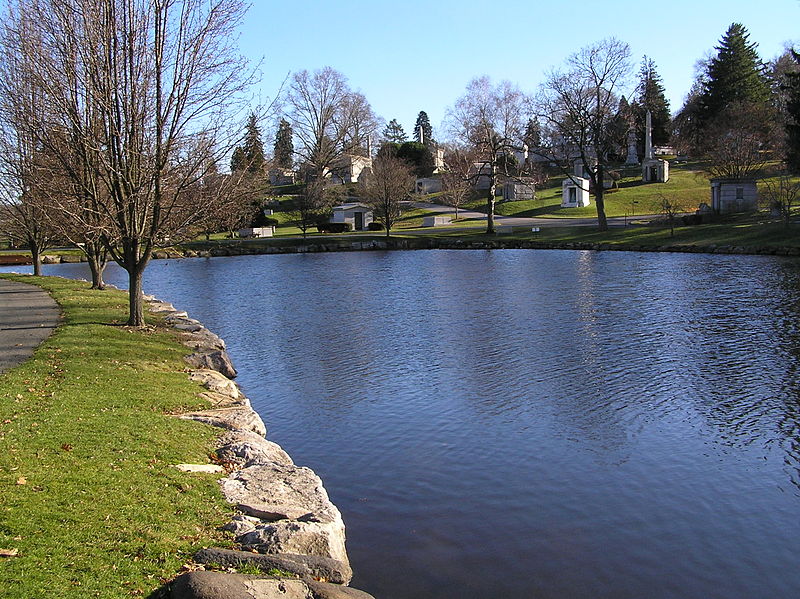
526,423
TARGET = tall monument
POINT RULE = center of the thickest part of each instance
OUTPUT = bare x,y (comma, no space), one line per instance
653,169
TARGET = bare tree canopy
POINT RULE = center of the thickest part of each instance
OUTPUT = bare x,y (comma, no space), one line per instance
327,118
144,94
490,120
383,190
577,106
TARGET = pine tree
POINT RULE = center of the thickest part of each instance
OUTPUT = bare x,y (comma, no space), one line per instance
735,75
650,96
792,88
427,130
394,132
250,155
284,148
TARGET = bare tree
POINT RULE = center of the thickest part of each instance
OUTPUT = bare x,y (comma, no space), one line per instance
456,177
328,119
670,209
492,121
738,142
23,163
307,208
161,81
383,190
783,193
577,107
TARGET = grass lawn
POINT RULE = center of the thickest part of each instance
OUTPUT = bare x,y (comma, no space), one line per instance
687,185
89,498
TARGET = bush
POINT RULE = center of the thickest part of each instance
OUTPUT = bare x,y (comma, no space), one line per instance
375,226
333,227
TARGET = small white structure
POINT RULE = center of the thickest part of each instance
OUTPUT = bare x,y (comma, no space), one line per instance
429,185
347,168
518,190
733,195
437,221
575,193
633,158
358,215
252,232
281,176
654,170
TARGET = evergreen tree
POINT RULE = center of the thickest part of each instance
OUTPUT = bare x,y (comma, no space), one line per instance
427,130
735,75
394,132
650,96
792,88
250,155
284,148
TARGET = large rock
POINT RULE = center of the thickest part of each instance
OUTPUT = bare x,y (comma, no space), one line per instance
202,340
278,491
313,566
213,360
241,448
304,538
216,382
235,418
221,585
218,400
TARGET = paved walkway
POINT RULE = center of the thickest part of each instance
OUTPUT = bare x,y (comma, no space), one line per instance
28,315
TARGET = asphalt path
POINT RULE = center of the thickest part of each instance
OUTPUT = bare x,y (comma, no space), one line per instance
28,315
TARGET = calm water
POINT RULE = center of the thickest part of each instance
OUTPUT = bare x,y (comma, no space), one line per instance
526,424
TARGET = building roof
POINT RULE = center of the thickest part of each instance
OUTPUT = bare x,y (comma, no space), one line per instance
351,206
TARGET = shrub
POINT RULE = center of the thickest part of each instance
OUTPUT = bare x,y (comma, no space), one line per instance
375,226
333,227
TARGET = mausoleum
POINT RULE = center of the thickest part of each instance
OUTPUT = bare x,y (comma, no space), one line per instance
358,215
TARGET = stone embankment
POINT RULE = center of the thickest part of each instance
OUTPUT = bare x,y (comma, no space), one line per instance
245,248
286,527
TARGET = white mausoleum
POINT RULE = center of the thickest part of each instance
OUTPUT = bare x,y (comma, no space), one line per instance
575,193
358,215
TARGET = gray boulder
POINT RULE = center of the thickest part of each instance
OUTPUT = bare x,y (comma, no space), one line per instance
278,491
202,340
234,418
312,566
242,448
304,538
216,382
213,360
221,585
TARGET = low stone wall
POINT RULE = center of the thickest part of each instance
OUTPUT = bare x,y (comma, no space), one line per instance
284,522
425,243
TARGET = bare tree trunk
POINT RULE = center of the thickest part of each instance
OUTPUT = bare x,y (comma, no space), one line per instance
490,207
135,301
36,255
96,258
599,194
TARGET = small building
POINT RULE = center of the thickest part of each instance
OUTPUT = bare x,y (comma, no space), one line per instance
655,170
429,185
733,195
281,176
575,192
347,168
252,232
437,221
358,215
518,190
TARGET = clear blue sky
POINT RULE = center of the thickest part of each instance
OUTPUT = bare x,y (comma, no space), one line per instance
412,55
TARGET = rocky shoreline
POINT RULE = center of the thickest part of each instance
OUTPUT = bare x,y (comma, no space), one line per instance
285,525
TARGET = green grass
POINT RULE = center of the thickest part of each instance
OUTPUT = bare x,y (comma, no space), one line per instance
687,185
89,498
